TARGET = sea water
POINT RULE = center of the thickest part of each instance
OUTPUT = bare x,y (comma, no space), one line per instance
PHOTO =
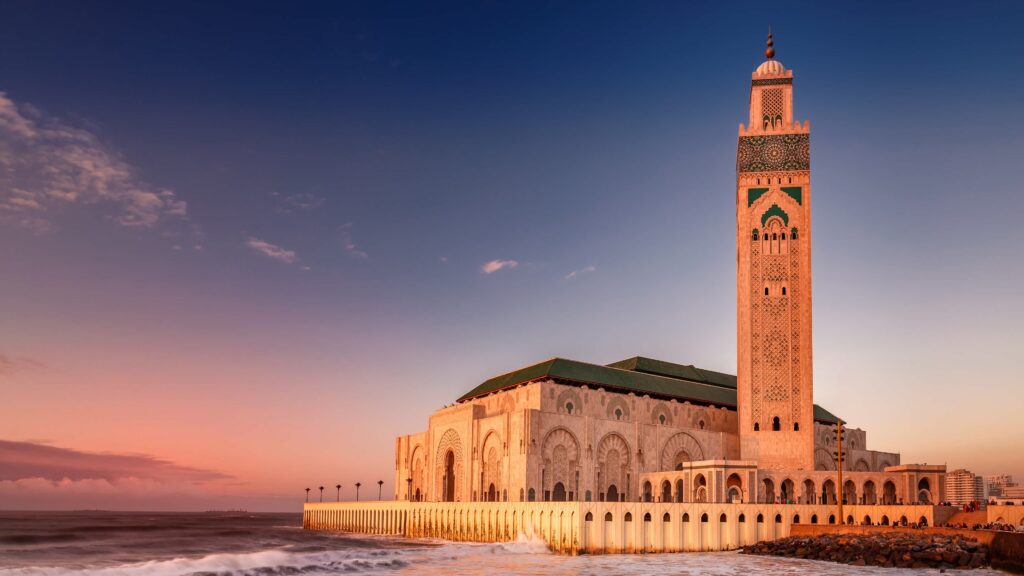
235,544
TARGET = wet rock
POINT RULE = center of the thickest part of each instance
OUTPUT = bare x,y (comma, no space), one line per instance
881,549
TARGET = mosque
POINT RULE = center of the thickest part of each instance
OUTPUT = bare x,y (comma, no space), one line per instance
646,430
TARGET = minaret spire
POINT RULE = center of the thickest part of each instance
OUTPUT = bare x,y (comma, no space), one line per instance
769,52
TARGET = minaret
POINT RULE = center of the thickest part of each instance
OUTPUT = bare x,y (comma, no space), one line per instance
773,276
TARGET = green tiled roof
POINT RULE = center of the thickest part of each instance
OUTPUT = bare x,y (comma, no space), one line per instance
639,375
678,371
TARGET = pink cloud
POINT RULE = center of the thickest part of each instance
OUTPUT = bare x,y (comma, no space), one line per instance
272,250
495,265
35,461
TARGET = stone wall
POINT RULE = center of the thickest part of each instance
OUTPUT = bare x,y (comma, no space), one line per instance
593,527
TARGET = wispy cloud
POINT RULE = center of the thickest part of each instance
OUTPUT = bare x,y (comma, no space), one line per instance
30,460
11,364
350,245
47,165
495,265
580,272
271,250
302,202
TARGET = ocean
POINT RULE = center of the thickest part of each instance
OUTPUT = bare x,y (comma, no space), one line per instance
237,544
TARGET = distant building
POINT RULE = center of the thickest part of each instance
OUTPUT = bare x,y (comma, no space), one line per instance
963,487
996,485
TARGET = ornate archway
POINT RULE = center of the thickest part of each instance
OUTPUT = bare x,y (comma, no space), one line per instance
561,452
449,468
613,464
680,448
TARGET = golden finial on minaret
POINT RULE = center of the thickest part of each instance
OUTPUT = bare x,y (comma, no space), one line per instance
770,51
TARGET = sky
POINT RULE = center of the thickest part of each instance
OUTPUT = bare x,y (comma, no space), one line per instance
243,245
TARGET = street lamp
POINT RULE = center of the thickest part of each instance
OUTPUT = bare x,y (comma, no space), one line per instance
339,492
321,493
380,486
307,495
408,490
838,455
358,484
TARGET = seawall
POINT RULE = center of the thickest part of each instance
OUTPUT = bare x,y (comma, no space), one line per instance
595,527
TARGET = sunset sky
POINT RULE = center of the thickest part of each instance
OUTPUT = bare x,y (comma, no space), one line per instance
245,246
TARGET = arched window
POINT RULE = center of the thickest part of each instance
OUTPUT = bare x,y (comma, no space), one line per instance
533,495
760,518
753,235
700,424
742,518
723,518
783,235
568,407
704,517
629,517
647,517
796,426
666,517
776,425
765,290
775,236
589,517
661,419
756,426
783,290
618,413
792,234
608,517
796,519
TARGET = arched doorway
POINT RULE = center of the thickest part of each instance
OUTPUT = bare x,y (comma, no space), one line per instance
888,492
734,488
869,496
449,477
924,493
558,494
828,492
849,492
492,495
700,489
679,490
648,497
787,492
613,494
666,491
809,494
769,491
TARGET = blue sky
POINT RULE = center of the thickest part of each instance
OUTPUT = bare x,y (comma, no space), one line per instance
284,215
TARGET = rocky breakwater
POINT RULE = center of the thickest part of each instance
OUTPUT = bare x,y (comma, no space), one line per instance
898,550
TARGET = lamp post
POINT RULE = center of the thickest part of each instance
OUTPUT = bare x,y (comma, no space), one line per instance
321,493
839,467
358,484
339,492
408,490
307,495
380,487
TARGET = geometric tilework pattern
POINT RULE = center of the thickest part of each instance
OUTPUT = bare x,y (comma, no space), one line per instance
773,153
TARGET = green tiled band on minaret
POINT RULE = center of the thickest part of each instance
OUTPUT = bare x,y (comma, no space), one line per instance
753,194
794,192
